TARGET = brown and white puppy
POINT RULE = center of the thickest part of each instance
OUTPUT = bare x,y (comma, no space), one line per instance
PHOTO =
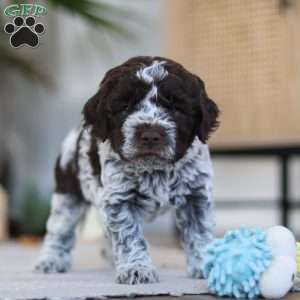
139,150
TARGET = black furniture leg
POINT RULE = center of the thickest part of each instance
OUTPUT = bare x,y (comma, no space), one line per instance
284,192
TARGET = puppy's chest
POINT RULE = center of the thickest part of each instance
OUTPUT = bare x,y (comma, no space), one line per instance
155,192
152,195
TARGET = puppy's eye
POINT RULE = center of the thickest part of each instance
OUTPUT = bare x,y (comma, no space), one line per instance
166,102
121,113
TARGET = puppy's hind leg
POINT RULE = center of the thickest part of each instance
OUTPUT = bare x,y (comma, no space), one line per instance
66,212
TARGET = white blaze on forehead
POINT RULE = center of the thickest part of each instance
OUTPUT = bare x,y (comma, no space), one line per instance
154,73
148,112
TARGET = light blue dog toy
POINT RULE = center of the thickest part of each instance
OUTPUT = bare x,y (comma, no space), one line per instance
248,263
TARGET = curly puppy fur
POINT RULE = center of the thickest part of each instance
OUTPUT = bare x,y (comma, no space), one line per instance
139,150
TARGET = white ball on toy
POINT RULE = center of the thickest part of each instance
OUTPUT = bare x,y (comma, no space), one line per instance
281,241
279,277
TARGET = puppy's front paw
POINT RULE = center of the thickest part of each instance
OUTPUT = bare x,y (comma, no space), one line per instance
194,262
136,274
57,263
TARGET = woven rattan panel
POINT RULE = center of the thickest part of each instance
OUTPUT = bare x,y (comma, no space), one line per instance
248,53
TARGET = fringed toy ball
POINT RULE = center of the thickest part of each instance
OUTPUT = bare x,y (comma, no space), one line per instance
233,265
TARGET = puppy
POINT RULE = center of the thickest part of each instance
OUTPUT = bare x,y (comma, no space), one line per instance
139,150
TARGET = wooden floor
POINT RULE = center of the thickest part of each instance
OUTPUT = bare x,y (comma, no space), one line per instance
92,275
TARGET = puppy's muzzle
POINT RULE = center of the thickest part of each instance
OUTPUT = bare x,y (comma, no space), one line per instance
150,139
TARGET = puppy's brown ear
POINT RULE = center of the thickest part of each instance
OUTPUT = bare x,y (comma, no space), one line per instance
95,115
210,113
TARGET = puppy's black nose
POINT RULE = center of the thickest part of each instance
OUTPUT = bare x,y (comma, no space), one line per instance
151,136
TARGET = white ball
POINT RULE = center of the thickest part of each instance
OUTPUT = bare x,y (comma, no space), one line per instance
281,241
279,277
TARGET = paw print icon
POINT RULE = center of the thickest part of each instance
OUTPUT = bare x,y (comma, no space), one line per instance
24,32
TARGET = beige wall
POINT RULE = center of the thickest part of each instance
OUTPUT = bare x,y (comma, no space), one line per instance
248,53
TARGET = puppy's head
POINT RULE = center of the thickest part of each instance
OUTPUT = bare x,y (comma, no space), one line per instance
151,107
